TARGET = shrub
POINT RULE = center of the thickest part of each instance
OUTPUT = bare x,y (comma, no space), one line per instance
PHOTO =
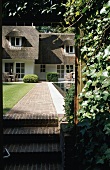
30,78
52,76
69,106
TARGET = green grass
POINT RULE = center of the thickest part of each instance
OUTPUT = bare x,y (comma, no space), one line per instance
12,93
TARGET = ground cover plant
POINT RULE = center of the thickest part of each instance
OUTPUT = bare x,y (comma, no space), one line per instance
13,92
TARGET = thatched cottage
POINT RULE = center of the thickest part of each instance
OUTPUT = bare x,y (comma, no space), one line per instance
26,51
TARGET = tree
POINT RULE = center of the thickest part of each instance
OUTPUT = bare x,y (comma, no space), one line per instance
27,11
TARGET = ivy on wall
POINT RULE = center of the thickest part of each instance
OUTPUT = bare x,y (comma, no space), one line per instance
91,20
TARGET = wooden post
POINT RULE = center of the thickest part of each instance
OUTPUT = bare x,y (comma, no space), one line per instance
76,91
78,78
1,96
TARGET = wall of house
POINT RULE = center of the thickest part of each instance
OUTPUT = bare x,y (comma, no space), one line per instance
29,65
49,68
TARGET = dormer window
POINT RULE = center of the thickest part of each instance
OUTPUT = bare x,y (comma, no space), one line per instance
69,49
16,41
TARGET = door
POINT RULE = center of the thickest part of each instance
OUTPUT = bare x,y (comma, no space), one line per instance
9,67
60,71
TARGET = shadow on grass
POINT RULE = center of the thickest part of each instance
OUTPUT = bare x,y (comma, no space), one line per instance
6,110
9,83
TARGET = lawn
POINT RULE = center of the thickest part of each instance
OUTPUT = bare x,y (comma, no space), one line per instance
13,92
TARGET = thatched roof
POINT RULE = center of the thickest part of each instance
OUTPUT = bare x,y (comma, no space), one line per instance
51,48
69,42
30,36
15,33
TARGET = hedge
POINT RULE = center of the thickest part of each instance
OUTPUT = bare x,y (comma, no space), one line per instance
52,77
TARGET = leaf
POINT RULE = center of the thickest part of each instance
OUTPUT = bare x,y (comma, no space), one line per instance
100,161
77,13
107,153
89,94
107,129
92,71
94,83
67,22
103,10
97,97
84,103
105,73
85,9
108,68
105,95
84,123
89,82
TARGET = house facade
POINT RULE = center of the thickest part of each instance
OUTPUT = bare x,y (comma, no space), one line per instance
26,51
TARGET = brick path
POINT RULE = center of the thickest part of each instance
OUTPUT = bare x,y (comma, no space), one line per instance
37,101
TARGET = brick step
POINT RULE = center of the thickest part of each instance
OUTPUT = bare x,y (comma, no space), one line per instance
35,166
33,152
31,134
18,120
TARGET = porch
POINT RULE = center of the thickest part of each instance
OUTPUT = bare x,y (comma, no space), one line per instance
7,77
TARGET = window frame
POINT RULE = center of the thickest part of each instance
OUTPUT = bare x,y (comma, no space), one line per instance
68,70
42,68
15,41
20,74
69,51
60,70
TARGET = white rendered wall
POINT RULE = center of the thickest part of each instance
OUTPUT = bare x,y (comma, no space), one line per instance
49,68
29,65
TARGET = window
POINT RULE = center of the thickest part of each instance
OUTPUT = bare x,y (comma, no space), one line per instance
9,67
69,68
42,68
60,70
20,69
16,41
69,49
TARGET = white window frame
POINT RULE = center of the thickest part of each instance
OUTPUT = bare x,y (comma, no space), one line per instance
20,73
59,70
69,52
42,68
15,45
69,68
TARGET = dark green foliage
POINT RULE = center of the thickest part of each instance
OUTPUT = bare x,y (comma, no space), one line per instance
93,147
92,18
52,77
21,10
69,106
30,78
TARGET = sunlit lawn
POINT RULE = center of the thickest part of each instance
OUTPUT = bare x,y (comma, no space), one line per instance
13,92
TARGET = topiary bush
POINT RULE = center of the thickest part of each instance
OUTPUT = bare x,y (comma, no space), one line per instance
30,78
52,77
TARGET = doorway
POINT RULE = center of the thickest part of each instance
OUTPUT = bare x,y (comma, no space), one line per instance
9,67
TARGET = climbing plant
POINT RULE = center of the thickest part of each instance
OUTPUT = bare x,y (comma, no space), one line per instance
69,107
91,20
